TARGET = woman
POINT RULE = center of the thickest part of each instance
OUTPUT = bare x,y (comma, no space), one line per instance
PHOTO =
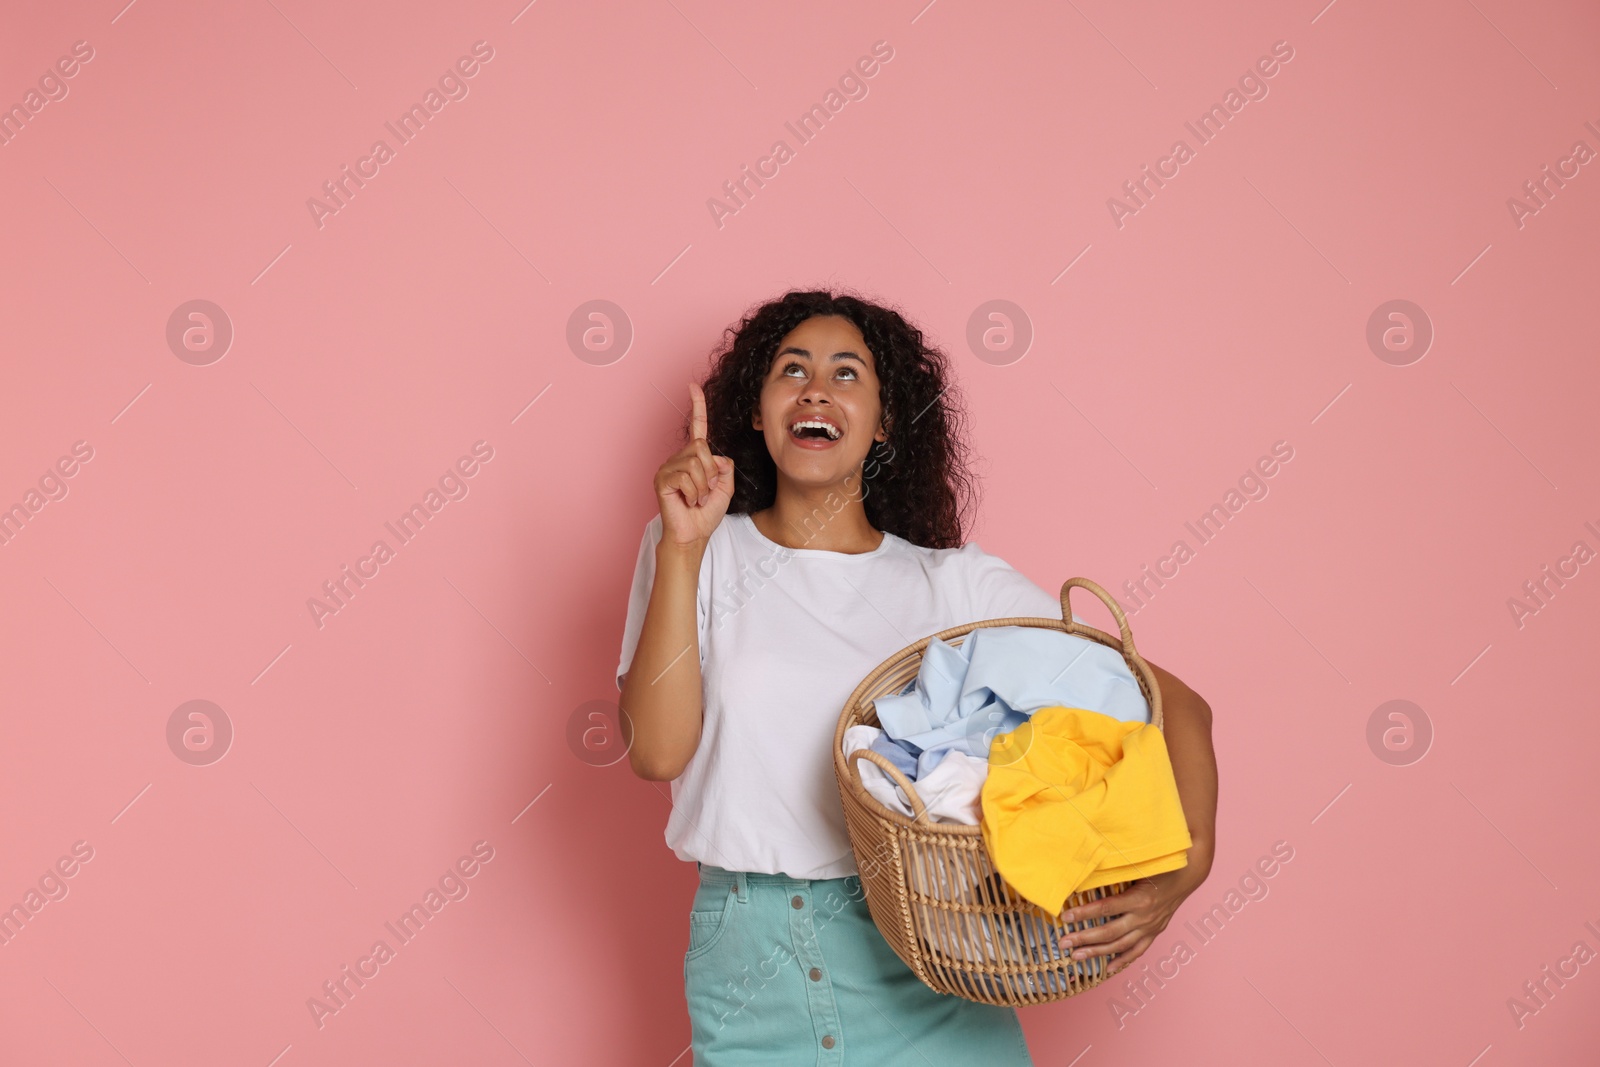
811,527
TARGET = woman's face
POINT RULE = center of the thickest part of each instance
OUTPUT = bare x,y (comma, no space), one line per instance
822,372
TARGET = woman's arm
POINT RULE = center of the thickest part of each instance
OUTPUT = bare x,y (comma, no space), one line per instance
663,704
661,695
1186,728
1137,915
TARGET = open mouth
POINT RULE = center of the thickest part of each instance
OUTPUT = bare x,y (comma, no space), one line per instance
814,430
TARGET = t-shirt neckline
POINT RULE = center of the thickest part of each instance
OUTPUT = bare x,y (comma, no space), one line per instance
819,553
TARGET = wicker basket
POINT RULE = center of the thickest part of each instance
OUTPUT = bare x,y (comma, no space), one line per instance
932,888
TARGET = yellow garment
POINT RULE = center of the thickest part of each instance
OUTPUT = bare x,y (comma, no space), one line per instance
1076,799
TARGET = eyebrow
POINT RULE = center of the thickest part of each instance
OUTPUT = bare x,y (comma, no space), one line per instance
837,356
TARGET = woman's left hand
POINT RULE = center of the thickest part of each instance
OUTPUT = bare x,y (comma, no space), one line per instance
1137,915
1142,911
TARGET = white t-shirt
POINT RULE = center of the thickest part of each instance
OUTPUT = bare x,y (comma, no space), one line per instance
786,635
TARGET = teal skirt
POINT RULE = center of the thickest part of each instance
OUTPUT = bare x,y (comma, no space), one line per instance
792,972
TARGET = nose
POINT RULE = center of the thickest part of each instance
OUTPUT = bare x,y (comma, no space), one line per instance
815,392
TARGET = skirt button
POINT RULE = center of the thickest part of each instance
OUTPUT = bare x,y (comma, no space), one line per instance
816,974
798,902
827,1041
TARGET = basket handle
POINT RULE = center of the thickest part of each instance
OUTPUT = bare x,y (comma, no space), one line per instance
1129,653
894,773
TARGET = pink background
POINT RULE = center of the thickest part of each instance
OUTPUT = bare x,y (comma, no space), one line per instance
370,353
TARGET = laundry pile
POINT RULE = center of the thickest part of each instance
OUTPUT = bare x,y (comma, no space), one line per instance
1044,739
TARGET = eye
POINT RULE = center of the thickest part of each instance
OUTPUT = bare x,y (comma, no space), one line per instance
854,373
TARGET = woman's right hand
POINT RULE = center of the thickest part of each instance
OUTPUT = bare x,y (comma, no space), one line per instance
694,487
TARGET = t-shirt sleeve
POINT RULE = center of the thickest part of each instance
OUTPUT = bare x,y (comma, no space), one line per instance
644,573
1000,591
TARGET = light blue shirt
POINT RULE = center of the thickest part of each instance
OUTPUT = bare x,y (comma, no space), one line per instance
989,684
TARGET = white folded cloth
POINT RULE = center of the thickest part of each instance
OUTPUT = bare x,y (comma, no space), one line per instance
951,791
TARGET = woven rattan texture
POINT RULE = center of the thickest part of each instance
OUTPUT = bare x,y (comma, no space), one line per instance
931,887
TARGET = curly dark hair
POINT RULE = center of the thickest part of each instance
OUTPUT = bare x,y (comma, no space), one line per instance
918,485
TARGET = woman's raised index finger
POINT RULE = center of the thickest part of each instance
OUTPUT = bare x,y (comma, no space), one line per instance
697,420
